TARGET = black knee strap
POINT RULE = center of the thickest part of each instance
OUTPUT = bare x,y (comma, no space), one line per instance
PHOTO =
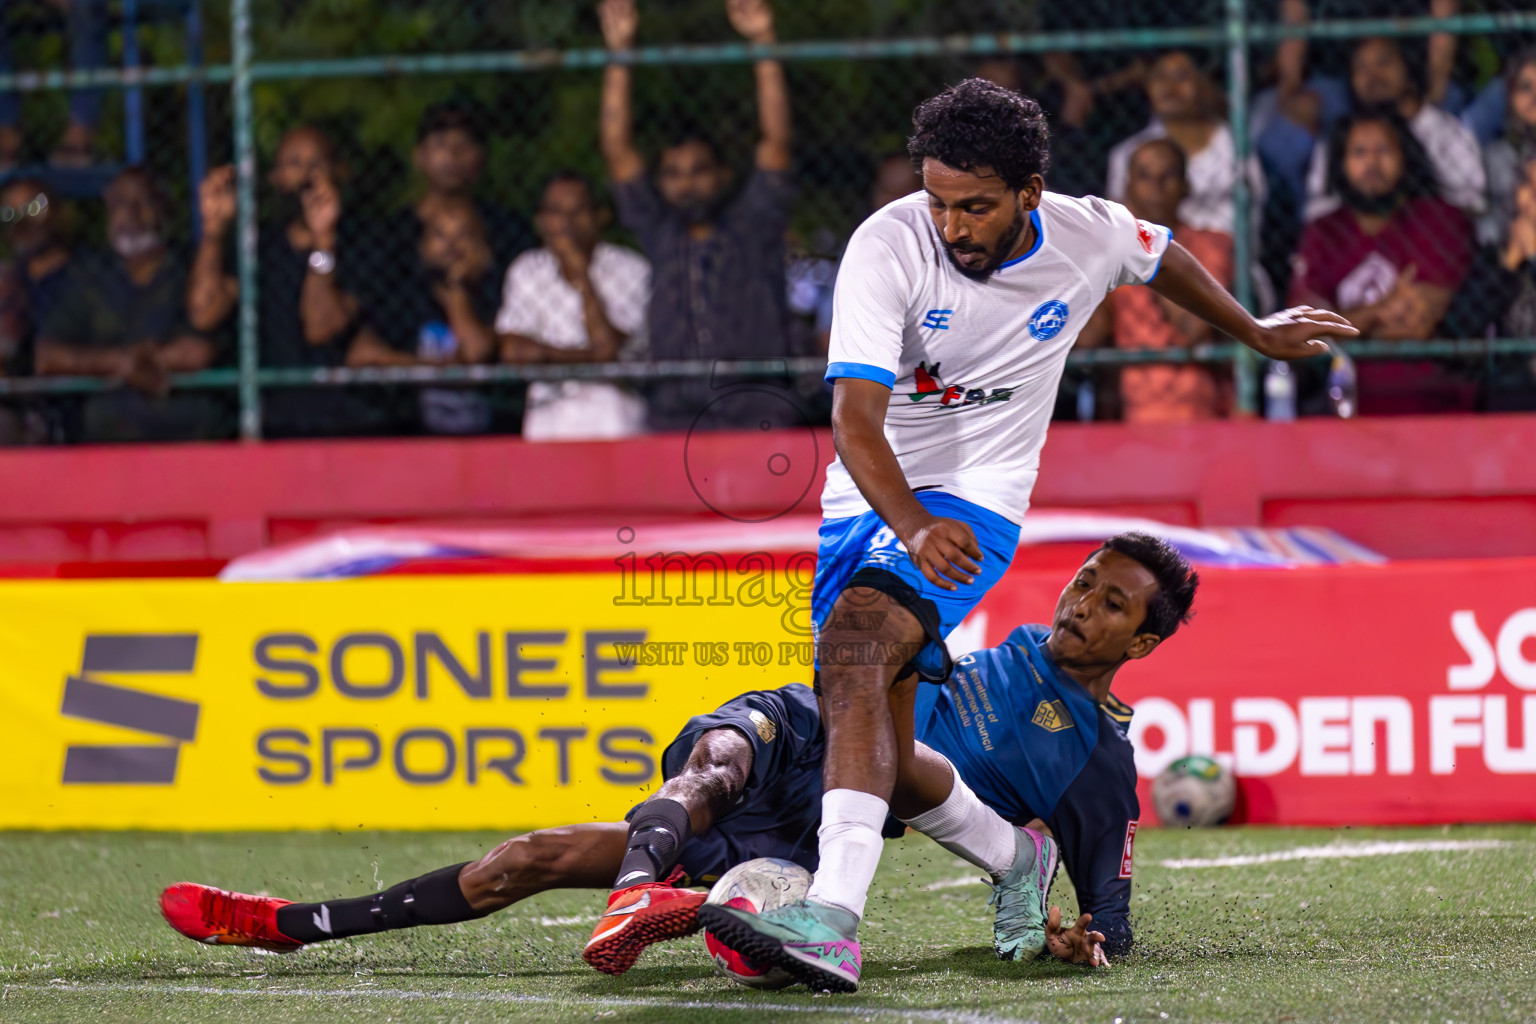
658,829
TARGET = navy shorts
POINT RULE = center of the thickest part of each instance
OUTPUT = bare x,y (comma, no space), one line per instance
861,551
781,808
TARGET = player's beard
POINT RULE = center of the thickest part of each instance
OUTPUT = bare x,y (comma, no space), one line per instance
999,255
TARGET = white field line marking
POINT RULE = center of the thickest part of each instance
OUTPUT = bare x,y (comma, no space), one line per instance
560,922
1340,850
818,1006
955,883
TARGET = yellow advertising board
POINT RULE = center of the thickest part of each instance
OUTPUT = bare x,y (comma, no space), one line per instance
400,702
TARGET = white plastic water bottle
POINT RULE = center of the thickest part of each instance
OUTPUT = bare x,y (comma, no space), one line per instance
1343,389
1279,392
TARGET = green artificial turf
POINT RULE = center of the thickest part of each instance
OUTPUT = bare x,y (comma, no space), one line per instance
1438,935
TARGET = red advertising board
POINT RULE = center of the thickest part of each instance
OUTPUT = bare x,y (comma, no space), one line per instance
1356,695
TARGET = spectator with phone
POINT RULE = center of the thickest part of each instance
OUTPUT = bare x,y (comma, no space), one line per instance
308,314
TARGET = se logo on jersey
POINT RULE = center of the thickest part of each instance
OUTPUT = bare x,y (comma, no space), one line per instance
930,384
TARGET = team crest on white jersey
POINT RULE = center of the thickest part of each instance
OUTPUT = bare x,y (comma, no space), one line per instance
1048,320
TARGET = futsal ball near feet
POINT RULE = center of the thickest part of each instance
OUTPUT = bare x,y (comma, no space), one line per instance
755,886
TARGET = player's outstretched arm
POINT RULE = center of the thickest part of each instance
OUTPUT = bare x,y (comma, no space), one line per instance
1296,333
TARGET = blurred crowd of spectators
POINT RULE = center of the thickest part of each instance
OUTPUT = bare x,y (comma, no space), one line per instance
1382,187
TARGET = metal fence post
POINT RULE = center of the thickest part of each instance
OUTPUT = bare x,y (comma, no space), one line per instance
245,186
1244,365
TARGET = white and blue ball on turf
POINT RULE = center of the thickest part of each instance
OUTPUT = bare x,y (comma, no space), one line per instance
755,886
1194,792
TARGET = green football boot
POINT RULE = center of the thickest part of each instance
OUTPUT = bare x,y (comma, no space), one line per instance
813,942
1019,931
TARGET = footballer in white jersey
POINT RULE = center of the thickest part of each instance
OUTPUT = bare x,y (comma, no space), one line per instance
953,314
973,365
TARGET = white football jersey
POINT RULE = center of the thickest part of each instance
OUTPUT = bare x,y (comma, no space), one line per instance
973,366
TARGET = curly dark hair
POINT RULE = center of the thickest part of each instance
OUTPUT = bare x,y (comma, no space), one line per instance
1418,173
976,124
1177,580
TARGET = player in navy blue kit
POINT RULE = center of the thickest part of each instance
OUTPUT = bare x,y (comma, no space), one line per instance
1033,729
1030,724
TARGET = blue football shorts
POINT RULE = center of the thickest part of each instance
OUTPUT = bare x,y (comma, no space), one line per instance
861,551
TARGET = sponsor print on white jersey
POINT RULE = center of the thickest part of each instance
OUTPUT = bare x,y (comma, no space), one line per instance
973,366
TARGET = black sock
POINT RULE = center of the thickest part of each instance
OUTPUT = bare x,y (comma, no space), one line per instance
433,898
657,833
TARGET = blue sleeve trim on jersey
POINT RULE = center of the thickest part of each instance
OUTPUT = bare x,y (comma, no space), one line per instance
863,371
1159,264
1034,218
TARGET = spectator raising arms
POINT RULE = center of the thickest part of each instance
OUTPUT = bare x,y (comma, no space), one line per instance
1136,317
121,315
575,300
1390,259
1181,97
1382,76
717,260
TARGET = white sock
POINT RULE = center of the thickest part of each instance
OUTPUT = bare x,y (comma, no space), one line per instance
850,844
963,825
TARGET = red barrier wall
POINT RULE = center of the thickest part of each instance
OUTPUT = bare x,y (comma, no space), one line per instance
1397,694
1413,487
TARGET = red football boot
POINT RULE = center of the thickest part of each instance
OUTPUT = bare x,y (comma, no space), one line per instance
222,918
638,916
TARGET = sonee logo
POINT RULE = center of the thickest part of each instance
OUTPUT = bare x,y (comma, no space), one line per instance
87,697
938,319
929,384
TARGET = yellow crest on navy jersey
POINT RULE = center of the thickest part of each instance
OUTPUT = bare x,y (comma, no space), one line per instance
1052,716
766,730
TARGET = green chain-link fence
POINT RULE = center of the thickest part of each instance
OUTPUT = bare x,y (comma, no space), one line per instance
431,131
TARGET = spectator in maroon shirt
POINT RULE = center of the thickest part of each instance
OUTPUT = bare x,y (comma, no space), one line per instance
1389,259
